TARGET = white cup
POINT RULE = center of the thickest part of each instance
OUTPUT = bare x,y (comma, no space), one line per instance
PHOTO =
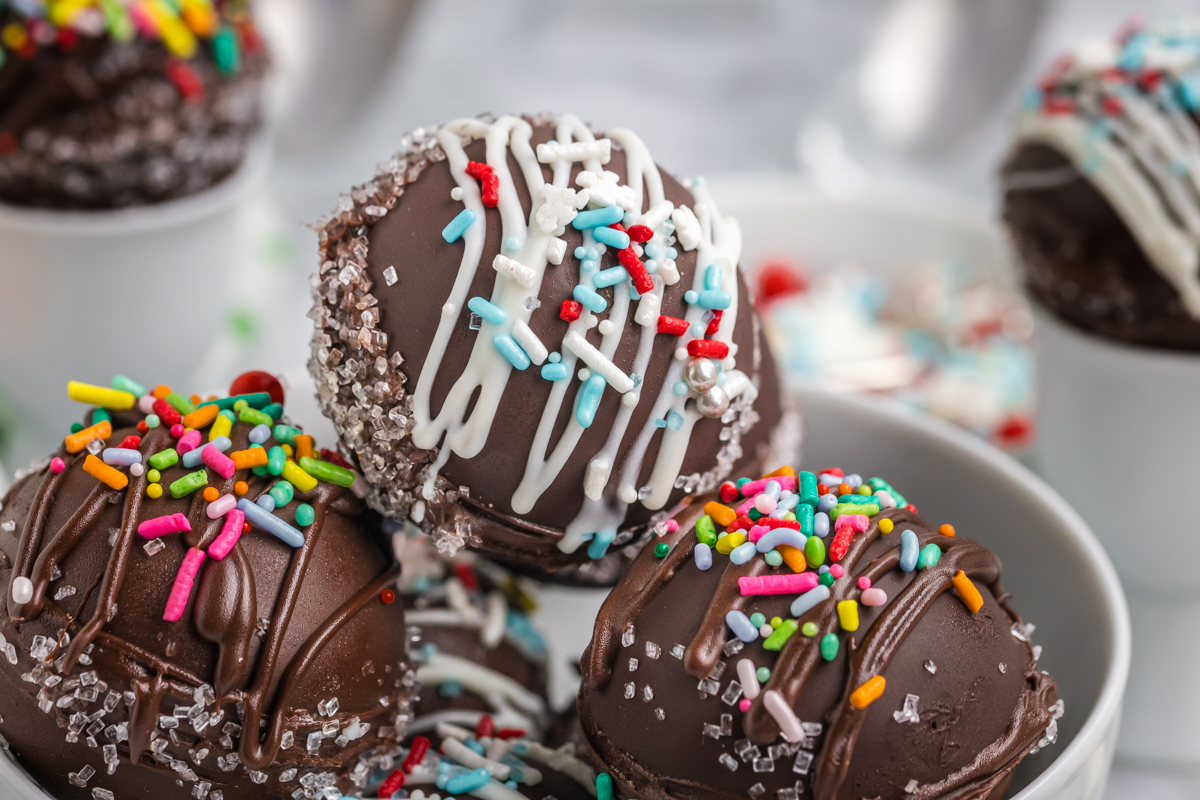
86,294
1118,435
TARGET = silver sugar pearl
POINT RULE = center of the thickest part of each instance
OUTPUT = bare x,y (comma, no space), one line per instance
712,403
700,374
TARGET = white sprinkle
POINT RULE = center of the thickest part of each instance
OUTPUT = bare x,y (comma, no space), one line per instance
514,270
456,193
599,150
599,363
529,342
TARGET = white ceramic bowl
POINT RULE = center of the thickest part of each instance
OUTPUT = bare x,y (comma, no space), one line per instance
84,294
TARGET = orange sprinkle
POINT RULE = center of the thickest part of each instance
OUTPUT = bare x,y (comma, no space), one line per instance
202,416
304,445
946,530
212,397
785,472
79,440
161,391
869,692
967,591
250,457
113,478
721,514
241,487
793,557
845,488
211,493
195,399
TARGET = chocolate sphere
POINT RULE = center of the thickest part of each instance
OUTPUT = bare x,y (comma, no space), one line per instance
272,668
1100,194
722,676
507,380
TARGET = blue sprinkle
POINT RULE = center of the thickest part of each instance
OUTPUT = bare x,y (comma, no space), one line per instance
593,254
450,689
698,328
741,626
484,308
820,524
266,501
633,292
629,219
589,298
555,372
854,480
672,252
611,237
1032,99
597,217
675,420
1189,90
690,297
809,599
589,400
908,550
458,225
703,556
651,249
823,569
511,350
270,523
651,266
191,459
589,265
474,744
610,277
777,536
599,544
773,489
555,358
679,389
260,433
660,423
714,299
712,277
827,502
525,635
512,243
428,650
743,553
581,252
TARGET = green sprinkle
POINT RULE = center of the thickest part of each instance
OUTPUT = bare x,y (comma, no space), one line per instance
776,622
254,400
276,458
808,488
790,517
189,483
784,632
127,385
758,620
225,51
880,485
252,416
870,509
604,786
227,414
774,558
763,674
754,514
829,647
742,482
282,493
180,403
100,415
826,579
809,629
305,515
854,499
814,551
274,410
327,471
76,427
238,405
152,421
285,434
930,554
706,531
164,458
661,549
154,476
804,514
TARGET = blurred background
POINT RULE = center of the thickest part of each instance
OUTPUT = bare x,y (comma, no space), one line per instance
881,116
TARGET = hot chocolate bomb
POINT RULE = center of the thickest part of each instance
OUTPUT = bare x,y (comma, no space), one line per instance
532,339
900,670
164,643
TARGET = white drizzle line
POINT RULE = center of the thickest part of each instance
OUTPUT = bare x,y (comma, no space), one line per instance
513,705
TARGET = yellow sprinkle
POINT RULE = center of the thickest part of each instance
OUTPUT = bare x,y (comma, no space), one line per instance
113,478
79,440
154,491
287,448
177,37
793,557
301,479
848,614
729,541
14,36
201,417
722,515
885,525
869,692
100,396
64,12
221,427
967,591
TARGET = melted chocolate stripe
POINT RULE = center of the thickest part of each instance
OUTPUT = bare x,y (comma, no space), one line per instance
61,545
705,649
31,535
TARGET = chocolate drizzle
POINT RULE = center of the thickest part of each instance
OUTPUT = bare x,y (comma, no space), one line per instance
801,656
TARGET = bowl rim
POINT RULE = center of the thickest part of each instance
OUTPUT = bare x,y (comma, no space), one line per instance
1100,721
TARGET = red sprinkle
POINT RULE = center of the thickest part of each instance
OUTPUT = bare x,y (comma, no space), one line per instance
841,543
672,325
640,233
911,508
415,755
832,471
489,184
131,443
714,324
742,523
466,574
778,279
729,492
186,80
822,488
255,381
334,457
707,348
245,527
8,144
168,415
387,596
393,782
1112,105
1058,105
67,38
637,270
510,733
570,311
485,727
771,523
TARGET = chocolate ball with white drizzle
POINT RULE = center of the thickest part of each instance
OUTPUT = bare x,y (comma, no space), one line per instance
503,315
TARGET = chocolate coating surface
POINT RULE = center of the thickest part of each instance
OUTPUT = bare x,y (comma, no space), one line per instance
1081,262
983,704
269,630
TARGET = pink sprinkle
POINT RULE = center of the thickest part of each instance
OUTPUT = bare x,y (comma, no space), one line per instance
177,430
672,526
874,597
189,441
744,704
161,526
837,571
864,582
757,532
785,718
181,590
778,584
231,531
221,506
219,462
745,507
857,522
57,465
754,487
